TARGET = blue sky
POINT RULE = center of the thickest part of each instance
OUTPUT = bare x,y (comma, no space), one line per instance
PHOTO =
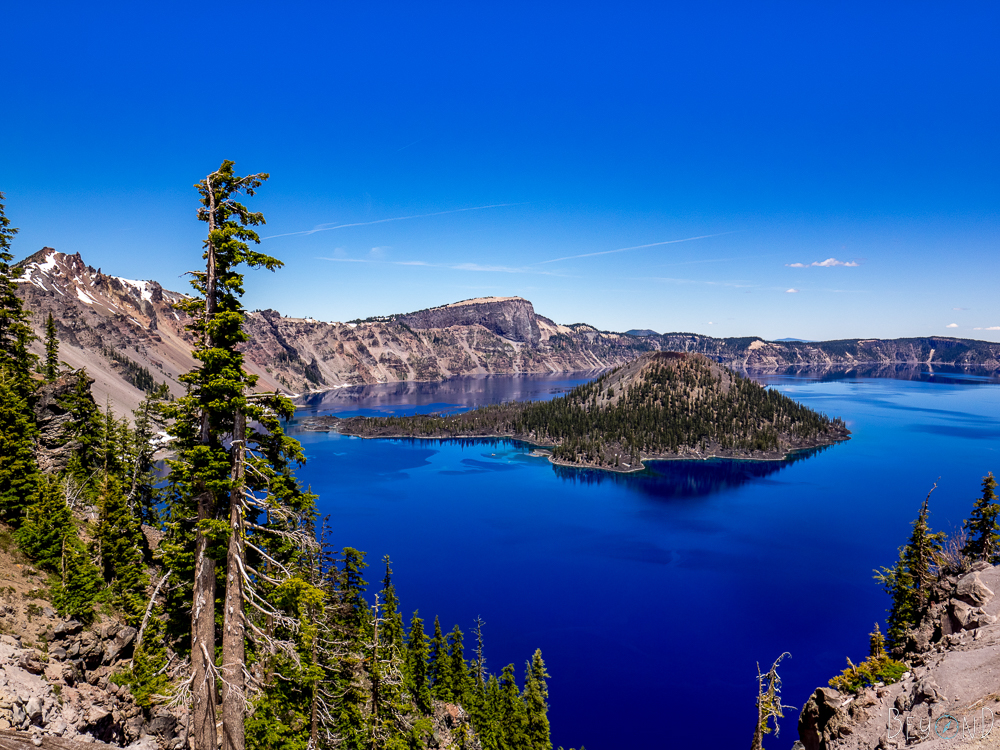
528,141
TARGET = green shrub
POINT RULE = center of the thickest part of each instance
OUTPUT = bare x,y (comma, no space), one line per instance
872,670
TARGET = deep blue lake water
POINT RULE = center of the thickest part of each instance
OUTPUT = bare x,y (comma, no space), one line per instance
653,596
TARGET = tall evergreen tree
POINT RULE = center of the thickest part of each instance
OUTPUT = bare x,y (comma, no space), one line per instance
511,712
140,478
922,551
15,333
47,523
439,667
908,582
392,627
415,675
214,446
983,525
80,583
51,349
19,476
86,427
120,539
905,604
460,682
536,704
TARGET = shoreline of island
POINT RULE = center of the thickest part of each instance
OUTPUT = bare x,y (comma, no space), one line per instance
540,450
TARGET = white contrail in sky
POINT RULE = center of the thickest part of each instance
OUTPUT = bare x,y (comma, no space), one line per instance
328,227
636,247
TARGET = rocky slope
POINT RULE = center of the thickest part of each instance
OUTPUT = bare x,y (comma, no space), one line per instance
55,674
951,696
119,327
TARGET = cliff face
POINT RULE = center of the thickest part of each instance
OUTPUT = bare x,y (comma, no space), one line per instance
509,317
949,698
118,327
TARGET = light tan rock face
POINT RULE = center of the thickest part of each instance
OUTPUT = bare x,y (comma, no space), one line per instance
949,699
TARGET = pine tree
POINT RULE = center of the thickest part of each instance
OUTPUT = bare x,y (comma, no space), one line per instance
47,524
351,593
903,614
415,675
536,704
439,666
15,333
983,525
488,720
120,539
512,716
86,425
876,644
922,551
458,672
210,476
392,627
51,350
145,676
19,476
909,581
79,584
140,476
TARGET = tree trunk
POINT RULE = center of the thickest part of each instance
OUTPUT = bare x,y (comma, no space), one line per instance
203,608
203,636
233,647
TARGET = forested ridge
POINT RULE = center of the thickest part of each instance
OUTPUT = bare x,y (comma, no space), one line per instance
243,620
662,405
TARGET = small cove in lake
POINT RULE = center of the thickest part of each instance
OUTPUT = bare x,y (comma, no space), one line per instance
653,595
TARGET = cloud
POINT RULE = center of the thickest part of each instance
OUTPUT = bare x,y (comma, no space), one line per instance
952,325
328,227
671,280
828,263
378,252
959,308
987,328
791,291
634,247
453,267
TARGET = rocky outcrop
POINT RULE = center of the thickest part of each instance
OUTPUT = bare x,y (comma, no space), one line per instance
55,442
949,698
511,318
61,686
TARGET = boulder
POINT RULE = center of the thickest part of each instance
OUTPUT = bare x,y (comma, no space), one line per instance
972,590
33,708
67,628
120,647
31,661
819,716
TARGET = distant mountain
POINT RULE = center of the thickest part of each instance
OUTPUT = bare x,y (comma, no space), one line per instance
641,332
801,341
126,332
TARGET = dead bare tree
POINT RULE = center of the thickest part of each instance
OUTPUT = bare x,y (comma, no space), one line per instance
769,706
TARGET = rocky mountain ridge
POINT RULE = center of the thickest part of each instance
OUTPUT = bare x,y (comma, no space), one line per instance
118,327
